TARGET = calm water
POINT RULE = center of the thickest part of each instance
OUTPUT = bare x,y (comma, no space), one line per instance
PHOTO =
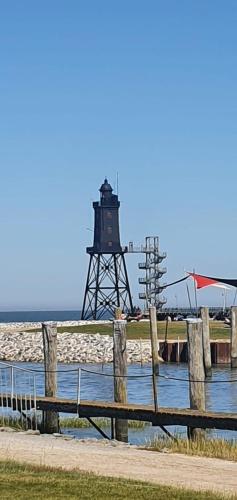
219,397
38,316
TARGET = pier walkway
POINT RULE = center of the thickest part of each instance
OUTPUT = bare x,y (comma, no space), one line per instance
163,417
18,394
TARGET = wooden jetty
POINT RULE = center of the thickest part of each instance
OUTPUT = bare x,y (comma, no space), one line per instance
145,413
164,416
195,418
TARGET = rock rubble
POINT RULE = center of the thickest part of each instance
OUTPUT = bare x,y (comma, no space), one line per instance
72,348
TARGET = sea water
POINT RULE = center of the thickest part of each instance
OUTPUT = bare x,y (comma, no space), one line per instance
38,316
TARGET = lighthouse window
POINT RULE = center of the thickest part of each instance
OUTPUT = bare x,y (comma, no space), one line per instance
109,229
110,243
109,214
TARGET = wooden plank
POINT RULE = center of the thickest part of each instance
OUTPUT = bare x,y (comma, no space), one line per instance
223,352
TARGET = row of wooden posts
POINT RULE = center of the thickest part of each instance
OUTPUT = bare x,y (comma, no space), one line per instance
199,365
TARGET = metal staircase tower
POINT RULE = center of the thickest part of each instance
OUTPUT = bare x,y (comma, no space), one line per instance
153,272
151,266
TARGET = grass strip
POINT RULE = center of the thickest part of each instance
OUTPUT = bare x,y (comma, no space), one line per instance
23,481
71,423
13,422
141,330
82,423
211,448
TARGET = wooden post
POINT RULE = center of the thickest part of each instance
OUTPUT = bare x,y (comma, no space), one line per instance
196,371
120,374
118,313
233,337
178,351
154,340
206,340
49,331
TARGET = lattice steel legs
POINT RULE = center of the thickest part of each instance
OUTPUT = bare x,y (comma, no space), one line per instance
107,286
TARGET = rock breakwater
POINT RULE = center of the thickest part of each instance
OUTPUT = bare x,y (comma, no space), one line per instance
72,348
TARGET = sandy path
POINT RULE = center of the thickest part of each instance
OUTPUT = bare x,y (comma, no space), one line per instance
106,459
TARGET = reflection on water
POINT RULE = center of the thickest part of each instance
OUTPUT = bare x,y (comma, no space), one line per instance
171,393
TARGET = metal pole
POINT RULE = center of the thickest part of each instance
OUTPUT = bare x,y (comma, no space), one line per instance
195,292
78,386
12,382
189,299
35,407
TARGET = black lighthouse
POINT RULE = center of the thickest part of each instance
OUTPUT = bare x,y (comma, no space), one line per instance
107,285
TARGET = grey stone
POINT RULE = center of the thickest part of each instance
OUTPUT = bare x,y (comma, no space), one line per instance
32,432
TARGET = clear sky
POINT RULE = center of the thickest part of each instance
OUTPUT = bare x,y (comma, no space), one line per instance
91,88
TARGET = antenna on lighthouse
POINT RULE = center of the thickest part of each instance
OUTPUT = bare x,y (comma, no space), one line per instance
117,183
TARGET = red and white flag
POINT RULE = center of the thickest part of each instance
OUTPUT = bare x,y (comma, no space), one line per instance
203,281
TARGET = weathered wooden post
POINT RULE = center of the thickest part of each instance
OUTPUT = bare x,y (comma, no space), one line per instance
120,376
178,351
196,371
154,340
49,331
206,340
233,347
118,313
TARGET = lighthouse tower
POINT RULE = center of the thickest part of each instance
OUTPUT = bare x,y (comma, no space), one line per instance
107,285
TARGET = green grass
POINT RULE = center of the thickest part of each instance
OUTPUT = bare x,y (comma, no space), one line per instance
141,330
24,481
13,422
82,423
212,448
70,423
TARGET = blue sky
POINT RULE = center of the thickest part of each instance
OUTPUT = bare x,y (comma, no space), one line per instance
88,89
